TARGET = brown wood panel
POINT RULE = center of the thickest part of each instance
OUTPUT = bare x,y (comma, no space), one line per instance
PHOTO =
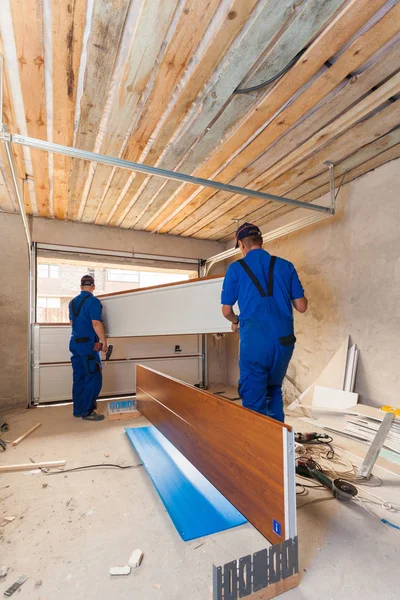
238,450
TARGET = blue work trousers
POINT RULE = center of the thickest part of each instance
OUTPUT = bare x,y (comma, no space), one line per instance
263,362
87,382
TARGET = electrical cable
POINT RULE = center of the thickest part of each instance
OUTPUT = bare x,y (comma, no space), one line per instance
335,467
99,466
390,526
264,84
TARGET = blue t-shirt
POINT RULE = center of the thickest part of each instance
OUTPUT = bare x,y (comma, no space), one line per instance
238,287
91,311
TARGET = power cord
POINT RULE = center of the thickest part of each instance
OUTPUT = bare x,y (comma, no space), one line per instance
99,466
264,84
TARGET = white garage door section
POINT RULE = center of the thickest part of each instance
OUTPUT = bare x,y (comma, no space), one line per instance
192,307
178,356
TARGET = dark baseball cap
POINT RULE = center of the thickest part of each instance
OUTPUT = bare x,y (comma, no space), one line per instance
246,230
87,280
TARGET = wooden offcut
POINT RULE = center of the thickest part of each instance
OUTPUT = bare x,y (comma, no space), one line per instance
123,416
24,435
239,451
52,464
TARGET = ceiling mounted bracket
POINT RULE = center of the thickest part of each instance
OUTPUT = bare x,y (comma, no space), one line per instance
331,167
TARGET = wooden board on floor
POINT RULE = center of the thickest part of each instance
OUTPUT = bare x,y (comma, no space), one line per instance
33,466
123,416
245,455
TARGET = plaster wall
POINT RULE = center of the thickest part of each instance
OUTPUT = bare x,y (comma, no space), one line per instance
13,311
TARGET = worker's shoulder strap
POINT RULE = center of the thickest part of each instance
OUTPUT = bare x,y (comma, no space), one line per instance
75,311
255,280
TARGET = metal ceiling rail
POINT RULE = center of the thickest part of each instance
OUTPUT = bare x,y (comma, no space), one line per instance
141,168
267,237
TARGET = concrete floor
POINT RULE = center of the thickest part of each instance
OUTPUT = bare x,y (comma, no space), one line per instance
70,529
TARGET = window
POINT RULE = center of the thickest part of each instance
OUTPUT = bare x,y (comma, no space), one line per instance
46,271
48,302
122,275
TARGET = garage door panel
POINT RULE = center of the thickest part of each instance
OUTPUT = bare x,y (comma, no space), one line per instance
54,381
52,345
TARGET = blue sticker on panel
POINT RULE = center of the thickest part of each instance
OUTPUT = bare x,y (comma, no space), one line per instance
276,527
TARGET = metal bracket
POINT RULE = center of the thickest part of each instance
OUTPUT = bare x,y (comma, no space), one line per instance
330,166
251,574
5,135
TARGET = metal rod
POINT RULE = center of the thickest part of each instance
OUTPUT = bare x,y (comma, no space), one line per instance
330,166
341,183
10,159
32,319
133,166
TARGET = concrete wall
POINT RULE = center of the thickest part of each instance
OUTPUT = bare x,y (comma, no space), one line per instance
350,269
14,280
13,311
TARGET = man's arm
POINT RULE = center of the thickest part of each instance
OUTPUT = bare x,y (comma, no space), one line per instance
228,313
101,334
300,304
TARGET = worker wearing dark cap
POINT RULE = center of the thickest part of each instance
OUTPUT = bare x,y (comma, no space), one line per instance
266,288
87,339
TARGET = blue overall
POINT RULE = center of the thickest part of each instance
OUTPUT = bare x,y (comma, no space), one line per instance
86,363
264,287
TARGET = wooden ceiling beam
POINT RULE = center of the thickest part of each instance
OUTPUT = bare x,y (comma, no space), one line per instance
10,119
361,134
310,189
68,23
148,41
27,18
341,101
334,130
221,111
331,40
234,19
375,162
107,25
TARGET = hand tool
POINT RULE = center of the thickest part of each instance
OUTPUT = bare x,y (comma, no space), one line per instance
109,351
303,438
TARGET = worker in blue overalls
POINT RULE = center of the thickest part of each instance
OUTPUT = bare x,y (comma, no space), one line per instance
87,339
266,288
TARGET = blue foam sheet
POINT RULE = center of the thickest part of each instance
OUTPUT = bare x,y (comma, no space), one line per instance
195,506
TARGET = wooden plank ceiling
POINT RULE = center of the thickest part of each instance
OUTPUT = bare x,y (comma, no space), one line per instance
156,81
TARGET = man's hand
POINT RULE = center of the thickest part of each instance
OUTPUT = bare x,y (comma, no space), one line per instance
228,313
235,327
101,334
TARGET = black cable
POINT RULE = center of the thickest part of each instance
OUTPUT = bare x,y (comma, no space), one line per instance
99,466
264,84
